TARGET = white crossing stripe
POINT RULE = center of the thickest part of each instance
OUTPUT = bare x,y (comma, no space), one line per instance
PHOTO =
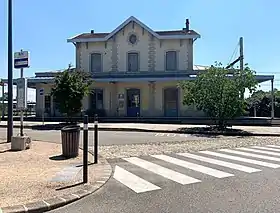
132,181
274,146
260,163
266,148
260,151
250,155
167,173
220,163
203,169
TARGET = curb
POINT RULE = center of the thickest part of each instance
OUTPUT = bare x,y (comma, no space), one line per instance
188,132
56,202
168,131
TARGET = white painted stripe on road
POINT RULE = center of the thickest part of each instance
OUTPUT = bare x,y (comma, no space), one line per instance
167,173
266,148
246,160
250,155
132,181
221,163
274,146
260,151
196,167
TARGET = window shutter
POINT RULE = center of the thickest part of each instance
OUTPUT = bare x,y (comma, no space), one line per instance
132,62
171,60
96,62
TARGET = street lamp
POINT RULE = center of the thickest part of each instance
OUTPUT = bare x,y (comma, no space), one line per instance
10,71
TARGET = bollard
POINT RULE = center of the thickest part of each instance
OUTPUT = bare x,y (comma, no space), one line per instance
95,138
85,154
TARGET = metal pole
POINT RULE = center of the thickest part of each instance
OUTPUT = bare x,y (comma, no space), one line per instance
241,54
3,101
21,110
95,138
241,60
272,99
255,111
43,115
85,154
10,72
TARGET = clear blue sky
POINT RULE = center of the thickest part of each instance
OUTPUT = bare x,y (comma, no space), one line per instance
42,27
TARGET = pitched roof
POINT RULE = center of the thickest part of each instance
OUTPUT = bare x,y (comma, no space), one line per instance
161,33
172,34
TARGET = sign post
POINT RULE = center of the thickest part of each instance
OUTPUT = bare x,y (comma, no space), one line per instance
21,61
41,93
21,99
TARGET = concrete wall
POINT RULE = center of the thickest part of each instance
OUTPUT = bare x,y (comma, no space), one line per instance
151,51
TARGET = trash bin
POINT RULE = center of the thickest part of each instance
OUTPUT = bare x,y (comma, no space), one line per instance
70,137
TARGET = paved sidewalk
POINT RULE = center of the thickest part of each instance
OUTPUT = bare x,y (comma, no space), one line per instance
40,179
255,130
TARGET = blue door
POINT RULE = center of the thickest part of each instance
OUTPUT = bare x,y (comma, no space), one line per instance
171,102
133,102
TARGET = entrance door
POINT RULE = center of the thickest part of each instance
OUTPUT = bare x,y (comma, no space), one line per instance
171,102
133,102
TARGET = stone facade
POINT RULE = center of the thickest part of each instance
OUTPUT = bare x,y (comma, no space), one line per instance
152,54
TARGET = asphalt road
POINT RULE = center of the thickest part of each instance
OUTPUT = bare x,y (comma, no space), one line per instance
107,137
231,190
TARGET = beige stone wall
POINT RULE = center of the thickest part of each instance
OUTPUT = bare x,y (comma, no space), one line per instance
85,50
110,98
159,101
182,47
151,51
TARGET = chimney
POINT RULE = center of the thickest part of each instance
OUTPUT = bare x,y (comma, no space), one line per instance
92,31
187,25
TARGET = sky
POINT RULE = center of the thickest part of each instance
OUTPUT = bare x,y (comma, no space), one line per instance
42,28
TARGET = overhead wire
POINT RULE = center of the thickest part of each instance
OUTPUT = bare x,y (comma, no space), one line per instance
234,53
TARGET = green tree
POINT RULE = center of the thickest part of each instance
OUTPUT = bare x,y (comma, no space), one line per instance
5,97
219,92
71,86
260,101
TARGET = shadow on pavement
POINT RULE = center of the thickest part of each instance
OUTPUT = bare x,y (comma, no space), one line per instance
58,157
48,127
70,186
213,132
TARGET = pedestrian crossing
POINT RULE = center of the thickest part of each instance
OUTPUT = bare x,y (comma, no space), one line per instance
141,171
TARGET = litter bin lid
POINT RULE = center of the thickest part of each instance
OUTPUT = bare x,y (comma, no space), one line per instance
71,128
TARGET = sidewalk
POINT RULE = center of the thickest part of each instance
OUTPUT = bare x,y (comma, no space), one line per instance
40,179
143,127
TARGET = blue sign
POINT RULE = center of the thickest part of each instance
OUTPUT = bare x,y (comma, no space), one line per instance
41,91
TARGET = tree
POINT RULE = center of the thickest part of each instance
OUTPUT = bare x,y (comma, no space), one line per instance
260,102
71,86
219,93
5,97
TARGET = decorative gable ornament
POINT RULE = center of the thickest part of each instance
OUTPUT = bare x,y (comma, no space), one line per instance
132,38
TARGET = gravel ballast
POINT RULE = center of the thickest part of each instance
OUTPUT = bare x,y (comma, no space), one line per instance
120,151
